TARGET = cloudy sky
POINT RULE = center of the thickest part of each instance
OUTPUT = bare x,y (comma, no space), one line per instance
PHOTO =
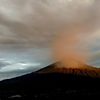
29,27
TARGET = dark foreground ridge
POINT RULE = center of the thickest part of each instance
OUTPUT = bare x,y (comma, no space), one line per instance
51,83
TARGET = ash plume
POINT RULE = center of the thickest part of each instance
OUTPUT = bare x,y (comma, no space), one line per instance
71,46
70,49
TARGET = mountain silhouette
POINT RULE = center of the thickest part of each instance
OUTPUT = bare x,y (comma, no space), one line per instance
53,82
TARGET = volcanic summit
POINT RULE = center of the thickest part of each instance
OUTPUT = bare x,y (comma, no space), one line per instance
82,69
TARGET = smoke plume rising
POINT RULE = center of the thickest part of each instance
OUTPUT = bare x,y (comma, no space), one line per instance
71,47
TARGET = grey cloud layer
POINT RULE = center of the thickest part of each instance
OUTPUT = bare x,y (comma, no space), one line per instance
36,22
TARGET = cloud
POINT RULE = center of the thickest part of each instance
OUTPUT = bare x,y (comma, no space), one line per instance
37,22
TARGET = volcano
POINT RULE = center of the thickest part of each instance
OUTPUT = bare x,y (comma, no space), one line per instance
53,82
82,69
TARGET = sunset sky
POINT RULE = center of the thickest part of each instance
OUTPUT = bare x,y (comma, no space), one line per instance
28,29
